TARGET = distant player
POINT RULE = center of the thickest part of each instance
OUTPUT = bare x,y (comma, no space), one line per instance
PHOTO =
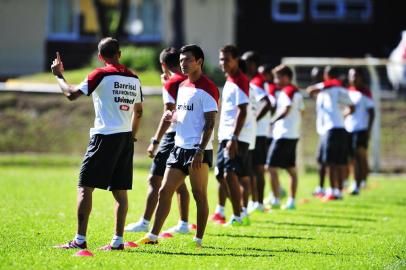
359,125
319,192
286,133
165,138
234,138
330,120
263,108
108,162
196,108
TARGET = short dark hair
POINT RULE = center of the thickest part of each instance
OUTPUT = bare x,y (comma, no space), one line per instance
170,57
330,71
108,47
196,51
251,56
283,70
231,49
266,68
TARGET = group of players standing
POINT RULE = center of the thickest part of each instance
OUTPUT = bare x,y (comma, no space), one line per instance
259,130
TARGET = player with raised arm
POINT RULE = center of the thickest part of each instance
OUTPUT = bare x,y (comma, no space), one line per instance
108,162
164,138
196,108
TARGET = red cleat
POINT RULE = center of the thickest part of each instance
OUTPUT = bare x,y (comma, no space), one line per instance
218,218
109,247
72,244
192,227
83,253
165,235
130,244
328,197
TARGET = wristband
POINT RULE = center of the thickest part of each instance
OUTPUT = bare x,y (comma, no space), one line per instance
234,137
135,139
154,141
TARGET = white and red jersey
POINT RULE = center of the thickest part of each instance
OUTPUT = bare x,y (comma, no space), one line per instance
258,91
114,89
329,99
289,126
194,99
273,93
235,92
362,100
170,92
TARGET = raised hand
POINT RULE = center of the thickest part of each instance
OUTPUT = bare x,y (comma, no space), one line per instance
57,65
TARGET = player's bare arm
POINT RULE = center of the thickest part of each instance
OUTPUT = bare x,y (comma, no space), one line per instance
232,144
282,114
209,122
136,119
265,108
371,114
313,90
162,128
68,90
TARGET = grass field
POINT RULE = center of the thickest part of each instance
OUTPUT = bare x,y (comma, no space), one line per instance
37,198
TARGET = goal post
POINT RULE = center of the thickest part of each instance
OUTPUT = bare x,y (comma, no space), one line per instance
370,64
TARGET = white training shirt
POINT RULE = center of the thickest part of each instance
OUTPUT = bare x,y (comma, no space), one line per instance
251,117
329,114
358,120
289,126
194,99
114,90
235,92
170,93
258,91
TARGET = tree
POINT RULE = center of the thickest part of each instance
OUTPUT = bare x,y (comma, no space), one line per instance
106,15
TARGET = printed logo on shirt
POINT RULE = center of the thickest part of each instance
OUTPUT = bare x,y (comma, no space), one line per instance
124,107
185,107
124,100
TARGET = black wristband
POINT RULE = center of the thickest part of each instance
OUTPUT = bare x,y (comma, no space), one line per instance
135,139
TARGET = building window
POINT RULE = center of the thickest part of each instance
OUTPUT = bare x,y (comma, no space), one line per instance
287,10
354,11
63,19
145,21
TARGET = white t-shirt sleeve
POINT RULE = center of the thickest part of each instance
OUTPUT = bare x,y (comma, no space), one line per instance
370,103
140,97
344,97
259,93
84,87
320,85
284,100
209,104
241,97
301,102
166,97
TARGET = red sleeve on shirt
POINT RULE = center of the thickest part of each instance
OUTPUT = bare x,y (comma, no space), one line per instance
206,85
258,80
271,89
290,90
172,85
241,81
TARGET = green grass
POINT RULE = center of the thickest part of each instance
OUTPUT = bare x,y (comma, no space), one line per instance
150,78
37,198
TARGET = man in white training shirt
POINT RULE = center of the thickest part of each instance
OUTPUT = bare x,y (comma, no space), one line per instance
196,108
108,162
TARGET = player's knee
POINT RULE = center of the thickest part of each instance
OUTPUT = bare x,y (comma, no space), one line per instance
199,195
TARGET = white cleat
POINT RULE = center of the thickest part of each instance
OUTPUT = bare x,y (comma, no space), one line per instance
136,227
178,229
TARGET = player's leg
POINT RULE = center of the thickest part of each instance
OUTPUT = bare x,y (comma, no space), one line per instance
290,204
273,171
199,179
182,195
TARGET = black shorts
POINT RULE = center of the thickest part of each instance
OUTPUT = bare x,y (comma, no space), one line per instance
239,164
181,158
334,147
357,139
159,163
260,151
282,153
108,162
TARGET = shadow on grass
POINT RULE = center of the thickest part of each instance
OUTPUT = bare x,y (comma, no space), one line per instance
261,236
200,253
340,217
286,250
307,224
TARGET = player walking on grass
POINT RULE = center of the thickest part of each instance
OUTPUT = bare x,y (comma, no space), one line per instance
234,138
165,138
262,107
359,125
286,133
108,162
196,108
330,121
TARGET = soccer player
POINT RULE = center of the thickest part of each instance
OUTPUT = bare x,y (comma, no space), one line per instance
316,75
330,120
108,162
262,107
286,133
234,138
165,138
359,125
196,108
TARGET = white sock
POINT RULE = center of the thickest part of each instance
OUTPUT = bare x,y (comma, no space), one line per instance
291,200
116,241
220,210
197,240
329,191
238,218
80,239
319,189
275,201
144,221
182,223
244,212
152,236
336,192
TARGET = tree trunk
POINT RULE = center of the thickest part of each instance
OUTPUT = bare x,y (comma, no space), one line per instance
177,24
123,12
101,18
